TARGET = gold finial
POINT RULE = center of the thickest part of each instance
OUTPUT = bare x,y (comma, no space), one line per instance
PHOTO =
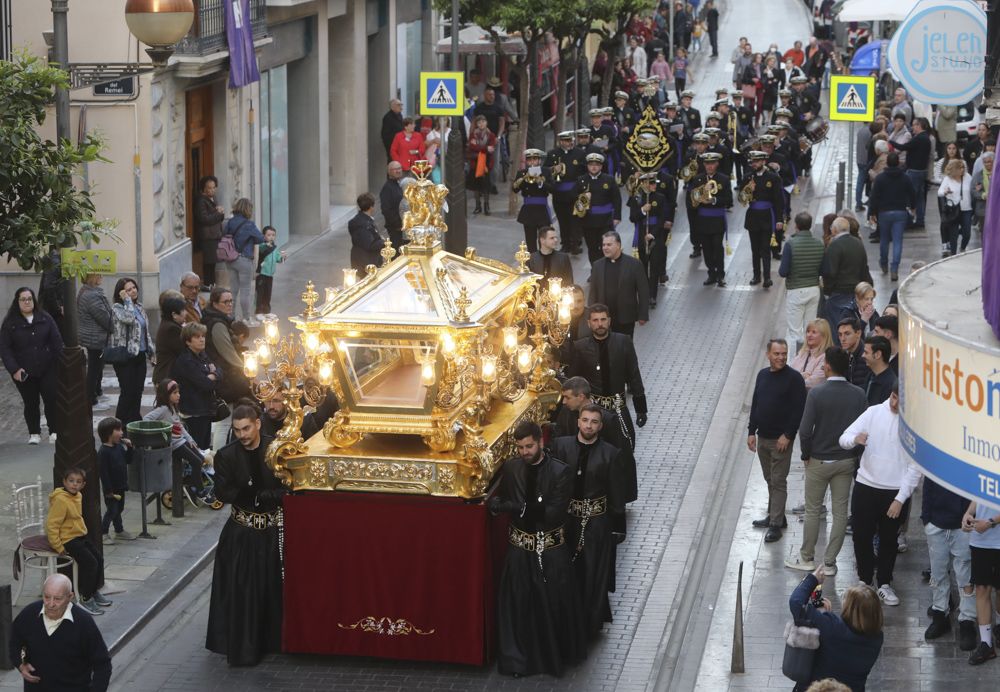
462,304
421,169
309,297
387,252
522,256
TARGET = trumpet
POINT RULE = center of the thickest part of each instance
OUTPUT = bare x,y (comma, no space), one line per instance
704,194
689,171
582,205
805,144
558,171
745,195
528,179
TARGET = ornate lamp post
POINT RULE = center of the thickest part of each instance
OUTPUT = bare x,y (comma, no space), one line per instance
159,24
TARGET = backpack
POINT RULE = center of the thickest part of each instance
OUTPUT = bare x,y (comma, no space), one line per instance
227,252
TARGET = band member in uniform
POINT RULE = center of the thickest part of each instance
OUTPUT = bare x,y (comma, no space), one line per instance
711,210
674,123
540,624
730,128
533,184
690,116
598,192
761,189
719,144
781,161
602,138
692,161
584,142
565,164
548,261
624,116
672,164
597,498
608,361
805,107
785,97
651,212
744,117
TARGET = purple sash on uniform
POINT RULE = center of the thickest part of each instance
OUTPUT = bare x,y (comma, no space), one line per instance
540,201
761,205
716,213
565,186
650,222
603,208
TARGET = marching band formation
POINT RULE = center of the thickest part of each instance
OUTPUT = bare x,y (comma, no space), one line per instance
710,159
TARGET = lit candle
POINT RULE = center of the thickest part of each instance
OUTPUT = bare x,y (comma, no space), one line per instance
509,339
567,297
312,342
263,352
350,277
447,343
565,316
250,364
489,369
331,293
326,373
427,374
524,359
555,287
271,330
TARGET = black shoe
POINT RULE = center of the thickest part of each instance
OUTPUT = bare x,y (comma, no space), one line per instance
773,534
884,268
776,256
694,253
709,281
652,304
874,237
664,279
894,276
967,635
764,523
858,207
721,283
477,210
618,536
940,626
768,283
926,576
983,653
754,281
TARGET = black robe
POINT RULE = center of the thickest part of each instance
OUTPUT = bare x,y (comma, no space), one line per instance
539,619
245,615
596,474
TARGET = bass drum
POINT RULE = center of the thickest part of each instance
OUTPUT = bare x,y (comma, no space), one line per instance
817,129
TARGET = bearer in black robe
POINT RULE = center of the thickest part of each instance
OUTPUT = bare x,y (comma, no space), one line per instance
539,619
244,618
597,498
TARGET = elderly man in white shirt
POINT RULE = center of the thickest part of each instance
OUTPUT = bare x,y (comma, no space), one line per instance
886,480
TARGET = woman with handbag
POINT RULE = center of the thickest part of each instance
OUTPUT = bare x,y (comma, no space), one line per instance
198,378
955,202
849,643
479,154
129,347
30,345
244,235
750,81
770,83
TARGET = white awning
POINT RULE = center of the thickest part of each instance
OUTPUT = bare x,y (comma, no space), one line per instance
876,10
474,40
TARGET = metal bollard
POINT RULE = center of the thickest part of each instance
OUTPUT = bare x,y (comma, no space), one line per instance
6,618
841,184
177,489
737,664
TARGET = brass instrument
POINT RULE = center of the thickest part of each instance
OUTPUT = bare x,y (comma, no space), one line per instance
633,182
732,128
704,194
750,145
804,144
689,171
745,195
582,205
558,171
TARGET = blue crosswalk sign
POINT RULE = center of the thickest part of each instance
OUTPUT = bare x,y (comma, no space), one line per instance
442,93
852,98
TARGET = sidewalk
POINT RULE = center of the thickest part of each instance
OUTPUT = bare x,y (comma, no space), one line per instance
907,662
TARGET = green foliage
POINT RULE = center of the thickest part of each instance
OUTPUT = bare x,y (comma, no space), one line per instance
40,207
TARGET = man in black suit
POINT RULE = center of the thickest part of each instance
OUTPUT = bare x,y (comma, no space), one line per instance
548,261
366,243
619,281
56,644
392,122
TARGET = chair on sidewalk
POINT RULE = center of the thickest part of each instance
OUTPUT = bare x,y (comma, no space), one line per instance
33,549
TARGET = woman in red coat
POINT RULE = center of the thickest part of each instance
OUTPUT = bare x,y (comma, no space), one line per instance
407,146
479,153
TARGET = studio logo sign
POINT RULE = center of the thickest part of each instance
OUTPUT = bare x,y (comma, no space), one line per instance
939,51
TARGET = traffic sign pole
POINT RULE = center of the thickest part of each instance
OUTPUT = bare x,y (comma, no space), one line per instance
850,164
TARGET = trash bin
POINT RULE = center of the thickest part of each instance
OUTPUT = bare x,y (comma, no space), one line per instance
157,470
150,434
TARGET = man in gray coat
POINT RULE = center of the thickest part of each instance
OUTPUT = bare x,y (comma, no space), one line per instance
830,408
619,281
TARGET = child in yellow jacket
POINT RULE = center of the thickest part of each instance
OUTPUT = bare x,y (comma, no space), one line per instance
67,534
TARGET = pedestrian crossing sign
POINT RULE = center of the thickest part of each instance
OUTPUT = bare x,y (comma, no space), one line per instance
442,93
852,98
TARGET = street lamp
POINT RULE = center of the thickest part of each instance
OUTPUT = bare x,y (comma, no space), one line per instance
159,24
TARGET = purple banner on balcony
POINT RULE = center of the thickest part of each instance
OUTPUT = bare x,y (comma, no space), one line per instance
239,34
991,253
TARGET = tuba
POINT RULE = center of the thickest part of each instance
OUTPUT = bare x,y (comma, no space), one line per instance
690,170
582,205
704,194
745,195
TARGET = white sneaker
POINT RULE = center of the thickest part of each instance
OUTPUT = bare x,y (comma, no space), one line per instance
108,539
796,562
887,595
52,438
901,545
830,570
124,536
34,439
251,323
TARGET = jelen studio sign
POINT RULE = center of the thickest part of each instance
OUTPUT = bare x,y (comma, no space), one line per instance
939,51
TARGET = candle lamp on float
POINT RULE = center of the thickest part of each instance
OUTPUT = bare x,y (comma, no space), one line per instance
434,359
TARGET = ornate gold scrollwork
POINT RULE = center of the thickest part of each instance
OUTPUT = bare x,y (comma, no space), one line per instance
337,432
390,627
442,438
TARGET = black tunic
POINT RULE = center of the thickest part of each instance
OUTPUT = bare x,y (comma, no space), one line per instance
244,618
562,184
605,200
553,264
767,190
596,471
535,208
539,619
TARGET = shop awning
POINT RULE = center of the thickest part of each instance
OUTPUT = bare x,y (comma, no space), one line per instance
474,40
876,10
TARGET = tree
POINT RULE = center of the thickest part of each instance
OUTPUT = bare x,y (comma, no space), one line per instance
572,29
40,207
614,16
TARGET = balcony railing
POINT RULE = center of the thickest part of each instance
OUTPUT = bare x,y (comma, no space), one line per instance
208,32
